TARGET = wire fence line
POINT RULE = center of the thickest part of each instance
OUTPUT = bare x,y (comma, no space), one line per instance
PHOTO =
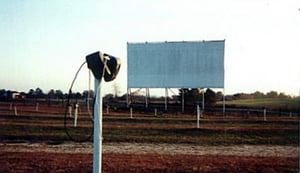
254,111
9,107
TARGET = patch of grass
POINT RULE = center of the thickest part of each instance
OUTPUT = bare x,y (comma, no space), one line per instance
160,130
274,103
203,136
40,133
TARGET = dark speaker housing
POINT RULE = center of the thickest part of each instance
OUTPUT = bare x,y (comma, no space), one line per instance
96,65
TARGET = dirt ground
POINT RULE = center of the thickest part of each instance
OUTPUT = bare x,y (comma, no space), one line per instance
25,162
139,157
152,148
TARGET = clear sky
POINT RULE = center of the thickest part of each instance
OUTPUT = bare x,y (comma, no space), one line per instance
42,43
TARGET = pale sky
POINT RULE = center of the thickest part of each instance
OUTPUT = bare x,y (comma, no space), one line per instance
43,43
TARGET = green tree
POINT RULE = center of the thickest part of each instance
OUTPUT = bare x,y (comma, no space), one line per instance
258,95
50,95
272,94
219,96
39,93
210,97
191,96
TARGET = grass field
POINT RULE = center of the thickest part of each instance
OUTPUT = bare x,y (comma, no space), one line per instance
272,103
213,131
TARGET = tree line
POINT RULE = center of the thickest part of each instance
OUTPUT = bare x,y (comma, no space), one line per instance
191,95
38,93
259,95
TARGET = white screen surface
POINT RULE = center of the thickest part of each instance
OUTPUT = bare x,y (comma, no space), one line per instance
176,64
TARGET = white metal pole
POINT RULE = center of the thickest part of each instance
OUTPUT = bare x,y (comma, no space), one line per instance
166,99
198,116
127,97
130,112
146,97
203,101
182,101
223,101
97,155
155,111
265,114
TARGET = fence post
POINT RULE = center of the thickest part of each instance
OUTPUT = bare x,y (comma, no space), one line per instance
107,109
36,107
15,111
130,112
76,114
265,114
198,116
70,110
